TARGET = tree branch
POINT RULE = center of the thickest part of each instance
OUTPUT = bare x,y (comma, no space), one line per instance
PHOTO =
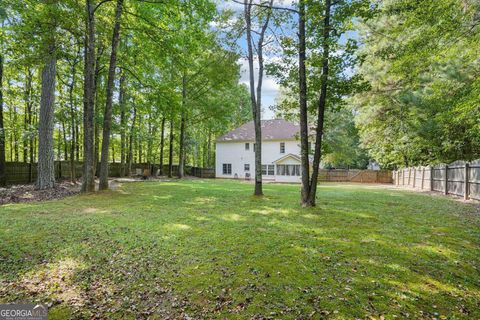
267,6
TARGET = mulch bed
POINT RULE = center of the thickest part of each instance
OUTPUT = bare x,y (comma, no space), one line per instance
28,193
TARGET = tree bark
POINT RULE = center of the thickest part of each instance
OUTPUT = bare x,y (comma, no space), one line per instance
77,146
73,174
256,115
3,177
139,140
27,141
162,145
256,99
107,118
321,104
130,141
302,76
15,133
149,139
97,109
65,144
170,149
46,167
123,123
30,125
88,184
181,154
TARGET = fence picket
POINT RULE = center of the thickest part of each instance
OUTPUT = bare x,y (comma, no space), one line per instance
459,178
22,173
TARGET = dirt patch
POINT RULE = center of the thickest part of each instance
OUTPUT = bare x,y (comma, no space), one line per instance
28,193
62,189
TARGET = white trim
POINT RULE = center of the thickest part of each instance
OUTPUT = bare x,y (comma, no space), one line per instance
290,155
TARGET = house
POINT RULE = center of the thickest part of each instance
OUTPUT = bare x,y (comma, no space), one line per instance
235,152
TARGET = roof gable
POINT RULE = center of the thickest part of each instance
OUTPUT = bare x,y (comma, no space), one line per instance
290,156
277,129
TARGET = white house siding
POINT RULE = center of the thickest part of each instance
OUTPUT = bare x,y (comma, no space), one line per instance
234,153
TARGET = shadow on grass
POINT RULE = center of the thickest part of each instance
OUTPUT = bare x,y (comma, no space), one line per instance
209,249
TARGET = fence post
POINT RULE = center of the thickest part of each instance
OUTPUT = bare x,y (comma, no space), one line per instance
423,177
414,176
431,178
409,174
446,179
467,183
403,176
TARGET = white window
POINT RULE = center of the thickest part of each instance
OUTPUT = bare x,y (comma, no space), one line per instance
282,147
247,146
268,169
288,169
227,168
246,166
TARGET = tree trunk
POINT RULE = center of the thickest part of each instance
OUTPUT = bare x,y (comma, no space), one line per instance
3,177
321,104
256,114
88,184
77,145
31,146
96,138
15,133
149,140
73,174
46,167
170,150
181,153
107,117
123,123
162,145
256,101
152,132
28,115
65,144
113,152
139,140
209,147
130,141
302,76
59,144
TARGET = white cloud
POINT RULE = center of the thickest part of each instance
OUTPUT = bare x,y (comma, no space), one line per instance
270,88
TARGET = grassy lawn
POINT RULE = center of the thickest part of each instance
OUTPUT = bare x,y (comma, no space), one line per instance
208,249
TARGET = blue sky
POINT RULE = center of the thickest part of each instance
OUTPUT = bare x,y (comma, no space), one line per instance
270,89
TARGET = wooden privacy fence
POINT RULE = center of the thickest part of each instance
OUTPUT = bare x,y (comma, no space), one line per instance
459,178
362,176
21,172
201,172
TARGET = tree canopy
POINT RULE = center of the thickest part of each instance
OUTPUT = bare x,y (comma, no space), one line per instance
420,62
172,68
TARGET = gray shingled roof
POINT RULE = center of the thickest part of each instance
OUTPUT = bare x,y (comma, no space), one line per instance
277,129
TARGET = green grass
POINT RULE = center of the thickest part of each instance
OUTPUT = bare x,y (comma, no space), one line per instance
208,249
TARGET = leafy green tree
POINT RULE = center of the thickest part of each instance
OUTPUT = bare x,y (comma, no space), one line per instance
420,60
316,67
